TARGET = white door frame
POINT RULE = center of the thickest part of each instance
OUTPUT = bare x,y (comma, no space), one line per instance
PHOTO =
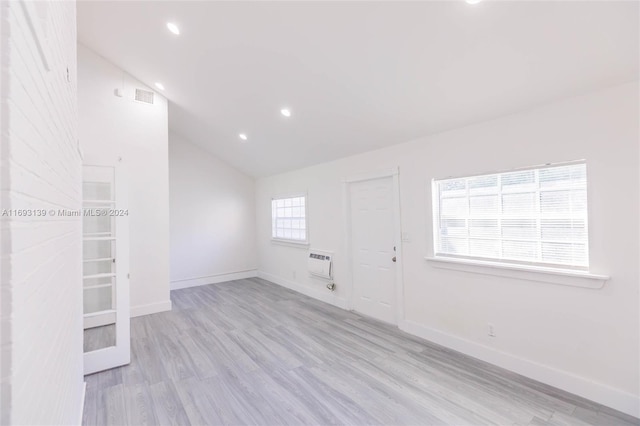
120,354
397,232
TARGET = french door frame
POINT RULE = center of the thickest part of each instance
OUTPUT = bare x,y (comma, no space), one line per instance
120,353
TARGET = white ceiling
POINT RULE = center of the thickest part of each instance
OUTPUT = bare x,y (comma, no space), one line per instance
357,75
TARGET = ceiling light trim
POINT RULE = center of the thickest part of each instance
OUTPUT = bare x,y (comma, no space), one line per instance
173,28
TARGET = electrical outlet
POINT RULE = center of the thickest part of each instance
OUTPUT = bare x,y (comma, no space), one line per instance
293,274
491,332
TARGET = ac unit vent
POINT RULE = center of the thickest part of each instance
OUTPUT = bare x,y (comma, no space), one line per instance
144,96
319,264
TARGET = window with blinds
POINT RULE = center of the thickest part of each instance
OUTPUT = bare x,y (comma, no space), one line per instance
533,216
289,219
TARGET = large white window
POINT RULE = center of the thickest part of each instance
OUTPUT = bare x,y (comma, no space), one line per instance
533,216
289,219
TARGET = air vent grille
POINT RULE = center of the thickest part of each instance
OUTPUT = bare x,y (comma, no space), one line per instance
144,96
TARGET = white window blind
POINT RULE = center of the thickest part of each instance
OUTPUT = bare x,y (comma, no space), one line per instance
533,216
289,219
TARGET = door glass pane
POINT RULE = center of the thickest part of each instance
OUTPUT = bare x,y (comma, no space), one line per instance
96,267
97,299
94,224
99,267
99,337
96,191
101,281
97,249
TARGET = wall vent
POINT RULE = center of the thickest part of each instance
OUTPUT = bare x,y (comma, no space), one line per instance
144,96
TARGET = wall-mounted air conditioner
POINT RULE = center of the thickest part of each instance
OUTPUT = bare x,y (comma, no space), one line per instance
320,264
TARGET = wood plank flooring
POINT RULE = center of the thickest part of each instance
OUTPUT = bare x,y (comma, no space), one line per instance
252,352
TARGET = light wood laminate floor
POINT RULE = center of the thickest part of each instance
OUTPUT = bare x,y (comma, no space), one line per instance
252,352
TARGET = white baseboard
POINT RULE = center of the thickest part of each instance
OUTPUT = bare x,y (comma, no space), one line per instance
581,386
213,279
151,308
324,296
84,394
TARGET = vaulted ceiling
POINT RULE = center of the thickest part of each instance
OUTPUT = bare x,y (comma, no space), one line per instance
356,75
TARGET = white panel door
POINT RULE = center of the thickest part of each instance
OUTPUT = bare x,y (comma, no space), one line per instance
373,248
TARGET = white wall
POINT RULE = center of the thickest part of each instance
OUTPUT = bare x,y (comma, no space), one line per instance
583,340
213,218
114,127
41,301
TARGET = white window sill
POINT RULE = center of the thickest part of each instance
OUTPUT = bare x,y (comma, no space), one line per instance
291,243
523,272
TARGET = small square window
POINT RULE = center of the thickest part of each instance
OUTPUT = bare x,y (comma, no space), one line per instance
288,219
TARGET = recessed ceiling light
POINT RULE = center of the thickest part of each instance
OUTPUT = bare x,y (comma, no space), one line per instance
173,28
160,86
286,112
473,1
242,136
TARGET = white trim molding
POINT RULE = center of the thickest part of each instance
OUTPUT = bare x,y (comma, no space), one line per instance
213,279
522,272
150,308
98,319
290,243
603,394
393,171
82,399
321,293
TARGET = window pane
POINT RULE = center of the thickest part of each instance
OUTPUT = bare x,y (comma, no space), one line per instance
454,207
563,229
518,181
555,202
288,218
532,216
484,205
453,245
453,188
519,204
484,248
519,250
483,185
454,227
579,201
519,228
484,228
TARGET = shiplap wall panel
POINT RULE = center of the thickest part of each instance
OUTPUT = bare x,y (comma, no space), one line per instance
41,263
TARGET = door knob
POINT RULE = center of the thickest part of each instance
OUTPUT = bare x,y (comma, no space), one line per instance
393,258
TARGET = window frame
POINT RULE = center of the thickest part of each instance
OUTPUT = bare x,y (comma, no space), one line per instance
495,262
290,241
